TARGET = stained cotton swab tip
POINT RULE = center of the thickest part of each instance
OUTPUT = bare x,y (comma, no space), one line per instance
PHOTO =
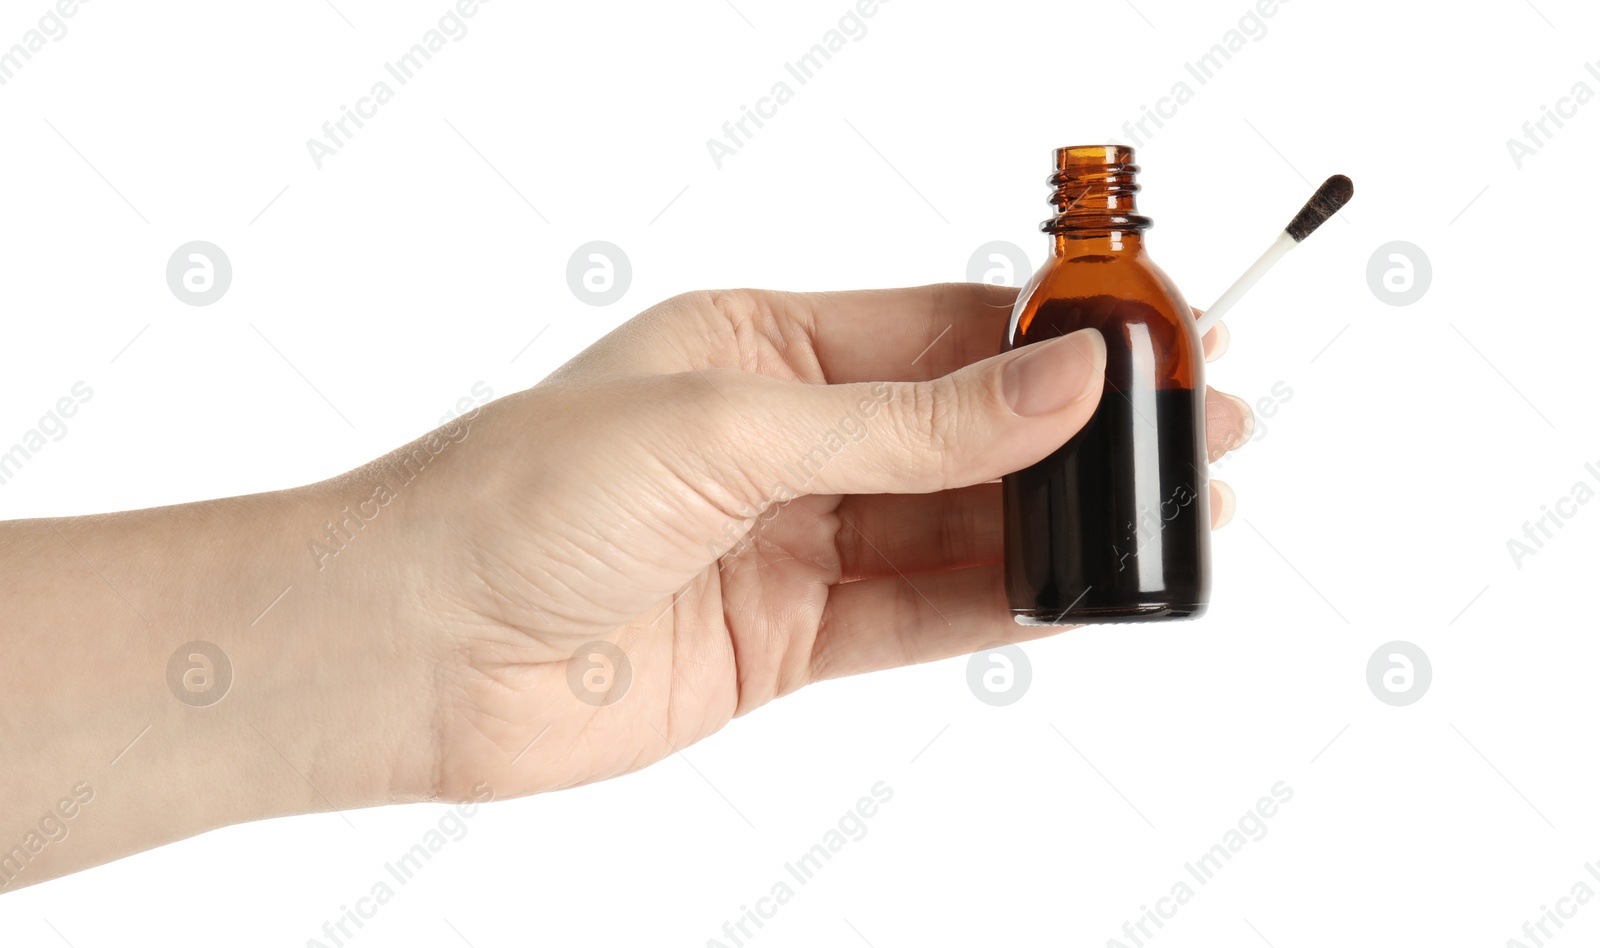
1334,194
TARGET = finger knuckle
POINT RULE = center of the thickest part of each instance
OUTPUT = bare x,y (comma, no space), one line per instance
931,418
738,306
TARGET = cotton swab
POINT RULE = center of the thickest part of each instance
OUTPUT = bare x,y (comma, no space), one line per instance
1334,194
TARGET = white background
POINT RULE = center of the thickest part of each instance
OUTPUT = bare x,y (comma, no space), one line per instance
1375,505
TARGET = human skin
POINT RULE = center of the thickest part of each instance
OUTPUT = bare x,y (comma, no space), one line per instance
663,492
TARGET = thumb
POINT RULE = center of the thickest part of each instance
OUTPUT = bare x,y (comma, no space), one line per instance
973,425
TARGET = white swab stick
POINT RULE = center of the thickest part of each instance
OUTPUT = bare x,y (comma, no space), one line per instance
1241,286
1334,194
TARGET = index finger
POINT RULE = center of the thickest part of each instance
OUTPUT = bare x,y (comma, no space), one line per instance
903,335
894,335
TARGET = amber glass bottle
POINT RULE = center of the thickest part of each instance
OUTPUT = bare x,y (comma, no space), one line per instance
1115,525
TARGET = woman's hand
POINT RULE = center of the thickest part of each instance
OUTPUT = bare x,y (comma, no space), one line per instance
730,497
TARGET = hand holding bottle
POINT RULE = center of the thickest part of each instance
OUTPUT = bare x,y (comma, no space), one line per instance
729,497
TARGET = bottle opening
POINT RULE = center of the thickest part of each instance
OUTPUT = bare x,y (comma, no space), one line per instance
1093,188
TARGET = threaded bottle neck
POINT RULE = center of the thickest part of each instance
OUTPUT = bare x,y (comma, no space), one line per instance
1093,190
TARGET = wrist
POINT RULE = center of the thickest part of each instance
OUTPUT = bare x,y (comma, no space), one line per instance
305,693
345,665
176,670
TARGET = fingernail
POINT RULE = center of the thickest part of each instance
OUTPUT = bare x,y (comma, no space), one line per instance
1048,376
1225,503
1221,345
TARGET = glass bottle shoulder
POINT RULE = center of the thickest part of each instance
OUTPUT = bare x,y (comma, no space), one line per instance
1126,296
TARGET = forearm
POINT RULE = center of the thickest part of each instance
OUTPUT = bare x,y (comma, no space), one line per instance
96,711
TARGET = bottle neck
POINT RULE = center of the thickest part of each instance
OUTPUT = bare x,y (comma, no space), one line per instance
1116,242
1093,189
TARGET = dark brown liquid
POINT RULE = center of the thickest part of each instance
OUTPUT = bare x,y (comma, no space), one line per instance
1115,524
